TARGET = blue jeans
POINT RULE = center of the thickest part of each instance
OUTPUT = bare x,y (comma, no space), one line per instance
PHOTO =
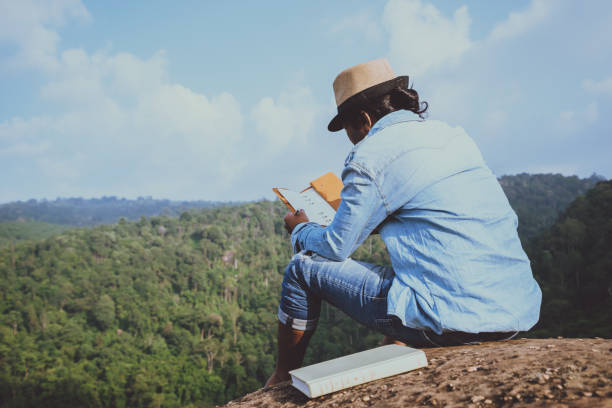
360,290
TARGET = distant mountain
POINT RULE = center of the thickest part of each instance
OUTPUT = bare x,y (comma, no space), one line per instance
80,212
538,199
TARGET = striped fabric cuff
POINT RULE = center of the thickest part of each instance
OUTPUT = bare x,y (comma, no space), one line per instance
296,324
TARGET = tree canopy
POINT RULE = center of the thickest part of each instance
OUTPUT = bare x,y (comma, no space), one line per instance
572,260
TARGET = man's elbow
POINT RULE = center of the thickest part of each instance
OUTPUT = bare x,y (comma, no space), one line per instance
338,253
336,248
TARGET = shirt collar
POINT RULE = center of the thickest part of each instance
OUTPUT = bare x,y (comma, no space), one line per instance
387,120
391,119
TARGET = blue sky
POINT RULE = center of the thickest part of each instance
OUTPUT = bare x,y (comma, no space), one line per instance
224,100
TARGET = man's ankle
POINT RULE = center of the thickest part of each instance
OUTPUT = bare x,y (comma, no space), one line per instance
278,377
390,340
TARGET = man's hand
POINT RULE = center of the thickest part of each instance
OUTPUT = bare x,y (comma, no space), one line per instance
293,219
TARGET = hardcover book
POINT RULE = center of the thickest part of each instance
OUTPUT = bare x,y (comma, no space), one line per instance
320,200
344,372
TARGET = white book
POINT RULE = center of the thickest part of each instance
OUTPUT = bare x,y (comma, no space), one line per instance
344,372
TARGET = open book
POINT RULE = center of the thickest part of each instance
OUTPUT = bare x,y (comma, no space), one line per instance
354,369
320,201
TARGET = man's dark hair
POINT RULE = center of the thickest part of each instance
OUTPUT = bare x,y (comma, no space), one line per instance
398,98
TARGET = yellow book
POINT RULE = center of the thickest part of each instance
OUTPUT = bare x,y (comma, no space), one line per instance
320,200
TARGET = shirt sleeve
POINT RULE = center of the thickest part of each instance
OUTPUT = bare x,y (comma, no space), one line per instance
362,209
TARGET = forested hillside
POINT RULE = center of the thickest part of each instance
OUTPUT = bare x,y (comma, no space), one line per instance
538,199
573,263
162,311
181,311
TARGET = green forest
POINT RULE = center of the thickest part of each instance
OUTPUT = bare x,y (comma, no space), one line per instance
12,232
572,261
181,311
538,199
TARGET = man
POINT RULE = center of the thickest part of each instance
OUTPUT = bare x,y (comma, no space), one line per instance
459,274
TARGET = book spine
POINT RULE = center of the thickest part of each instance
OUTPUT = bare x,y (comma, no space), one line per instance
367,374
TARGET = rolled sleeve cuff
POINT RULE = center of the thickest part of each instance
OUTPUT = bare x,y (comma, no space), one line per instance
296,324
295,242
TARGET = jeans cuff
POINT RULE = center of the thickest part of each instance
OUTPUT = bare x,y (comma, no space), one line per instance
296,324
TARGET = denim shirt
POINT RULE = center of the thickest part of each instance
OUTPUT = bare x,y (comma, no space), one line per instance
447,225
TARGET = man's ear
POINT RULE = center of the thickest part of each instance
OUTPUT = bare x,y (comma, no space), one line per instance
366,120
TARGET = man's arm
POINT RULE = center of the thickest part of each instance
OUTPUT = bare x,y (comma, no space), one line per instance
362,209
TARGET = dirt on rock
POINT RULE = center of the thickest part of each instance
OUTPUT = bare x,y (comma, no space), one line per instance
525,372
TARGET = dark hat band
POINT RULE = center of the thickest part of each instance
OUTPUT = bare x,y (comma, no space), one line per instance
360,99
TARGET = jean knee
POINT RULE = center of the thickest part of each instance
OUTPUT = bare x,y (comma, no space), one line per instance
297,303
294,273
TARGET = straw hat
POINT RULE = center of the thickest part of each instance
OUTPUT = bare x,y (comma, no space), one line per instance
355,85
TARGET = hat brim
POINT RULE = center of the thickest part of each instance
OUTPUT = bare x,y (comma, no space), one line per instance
335,124
359,98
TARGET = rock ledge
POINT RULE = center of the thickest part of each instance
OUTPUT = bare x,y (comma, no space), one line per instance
525,372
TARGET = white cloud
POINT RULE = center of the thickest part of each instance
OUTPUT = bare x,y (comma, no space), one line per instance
81,79
169,140
421,38
18,129
288,119
118,125
518,23
30,26
25,149
123,126
604,86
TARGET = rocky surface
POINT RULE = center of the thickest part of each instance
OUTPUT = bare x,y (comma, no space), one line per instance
525,372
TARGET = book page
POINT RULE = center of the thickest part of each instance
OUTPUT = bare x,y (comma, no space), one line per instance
320,209
317,209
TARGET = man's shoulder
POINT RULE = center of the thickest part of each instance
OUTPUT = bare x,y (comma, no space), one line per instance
401,138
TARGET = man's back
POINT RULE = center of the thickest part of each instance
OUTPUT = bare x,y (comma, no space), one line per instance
450,231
